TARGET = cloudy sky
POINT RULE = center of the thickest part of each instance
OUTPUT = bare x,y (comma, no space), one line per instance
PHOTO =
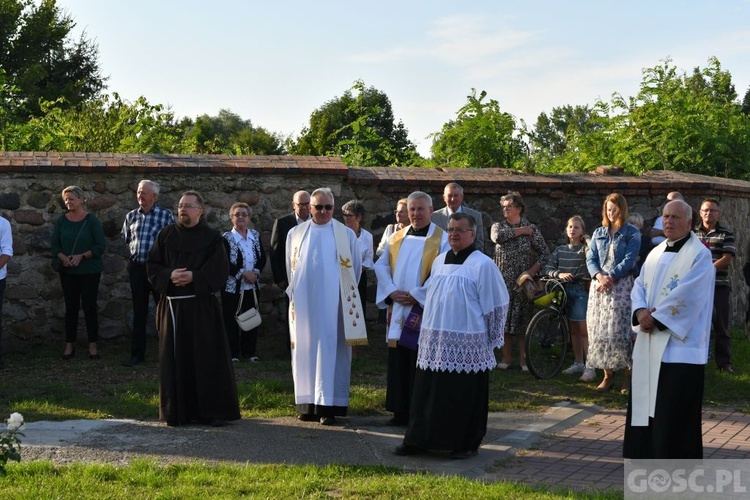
275,62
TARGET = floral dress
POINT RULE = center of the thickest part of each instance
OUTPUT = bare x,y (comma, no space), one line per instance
513,256
608,320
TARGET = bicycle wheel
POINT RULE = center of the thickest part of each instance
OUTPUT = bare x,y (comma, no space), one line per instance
546,343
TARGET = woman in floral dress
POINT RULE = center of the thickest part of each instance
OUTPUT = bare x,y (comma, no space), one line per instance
519,248
611,261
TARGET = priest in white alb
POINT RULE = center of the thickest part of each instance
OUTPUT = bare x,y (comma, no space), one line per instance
465,309
325,310
401,270
672,306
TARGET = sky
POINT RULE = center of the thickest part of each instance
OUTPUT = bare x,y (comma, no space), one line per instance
275,62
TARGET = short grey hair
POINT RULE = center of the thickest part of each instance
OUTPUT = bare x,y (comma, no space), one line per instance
417,195
324,192
356,207
454,185
152,184
686,207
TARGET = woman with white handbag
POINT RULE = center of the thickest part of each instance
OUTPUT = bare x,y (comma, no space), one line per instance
239,300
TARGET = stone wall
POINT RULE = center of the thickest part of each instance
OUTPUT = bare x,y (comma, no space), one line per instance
30,186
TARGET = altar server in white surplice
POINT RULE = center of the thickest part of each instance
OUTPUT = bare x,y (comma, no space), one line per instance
672,305
401,270
325,310
466,305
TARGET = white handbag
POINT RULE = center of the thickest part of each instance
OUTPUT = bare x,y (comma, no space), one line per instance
251,318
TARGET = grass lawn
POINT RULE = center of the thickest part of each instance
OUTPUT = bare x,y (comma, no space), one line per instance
41,386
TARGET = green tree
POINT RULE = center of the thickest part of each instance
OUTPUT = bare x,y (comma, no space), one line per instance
40,59
552,133
746,102
684,123
106,123
358,126
228,133
480,136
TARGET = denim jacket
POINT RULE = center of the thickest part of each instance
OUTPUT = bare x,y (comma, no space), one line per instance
627,242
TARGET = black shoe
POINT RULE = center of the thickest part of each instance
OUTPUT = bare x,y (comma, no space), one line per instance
327,420
172,423
727,369
132,361
399,419
462,455
404,450
307,417
70,355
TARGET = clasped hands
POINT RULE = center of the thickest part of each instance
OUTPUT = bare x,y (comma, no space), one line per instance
181,276
605,283
72,260
645,319
403,298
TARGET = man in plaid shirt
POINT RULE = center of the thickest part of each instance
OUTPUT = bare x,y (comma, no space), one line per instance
720,241
140,229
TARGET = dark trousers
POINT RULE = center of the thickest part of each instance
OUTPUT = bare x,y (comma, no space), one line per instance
720,322
402,367
80,290
2,296
362,287
140,290
241,344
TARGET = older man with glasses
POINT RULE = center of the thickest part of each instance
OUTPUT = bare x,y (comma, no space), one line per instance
466,303
326,318
720,240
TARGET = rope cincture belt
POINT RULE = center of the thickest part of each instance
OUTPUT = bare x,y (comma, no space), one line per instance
171,312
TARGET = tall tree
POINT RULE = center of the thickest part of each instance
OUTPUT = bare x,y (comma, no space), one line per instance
552,133
40,59
106,123
746,102
358,126
685,123
228,133
481,136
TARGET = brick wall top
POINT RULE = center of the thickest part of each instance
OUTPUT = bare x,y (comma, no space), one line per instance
389,179
35,161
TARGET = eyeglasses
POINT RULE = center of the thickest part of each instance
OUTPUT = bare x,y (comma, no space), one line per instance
187,206
242,214
458,230
510,205
303,204
320,208
707,210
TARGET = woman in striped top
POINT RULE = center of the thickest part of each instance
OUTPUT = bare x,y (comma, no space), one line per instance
568,263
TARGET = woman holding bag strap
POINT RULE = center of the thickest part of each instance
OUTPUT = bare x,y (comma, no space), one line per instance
78,241
246,261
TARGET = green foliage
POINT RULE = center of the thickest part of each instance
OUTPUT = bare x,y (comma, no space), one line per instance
358,126
228,133
481,136
689,123
106,123
41,61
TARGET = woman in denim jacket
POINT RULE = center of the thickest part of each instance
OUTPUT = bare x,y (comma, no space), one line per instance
611,262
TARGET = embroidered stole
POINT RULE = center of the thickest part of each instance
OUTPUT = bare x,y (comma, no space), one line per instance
355,330
430,251
649,348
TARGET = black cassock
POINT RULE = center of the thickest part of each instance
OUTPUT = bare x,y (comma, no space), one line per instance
196,378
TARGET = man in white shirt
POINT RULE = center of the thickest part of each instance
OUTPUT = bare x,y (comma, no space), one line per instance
6,252
657,232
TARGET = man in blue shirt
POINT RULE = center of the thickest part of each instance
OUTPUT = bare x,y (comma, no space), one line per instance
6,252
139,231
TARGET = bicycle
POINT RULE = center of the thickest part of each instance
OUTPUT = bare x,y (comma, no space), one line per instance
548,333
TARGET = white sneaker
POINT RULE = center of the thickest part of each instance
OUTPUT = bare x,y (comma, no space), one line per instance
589,374
524,368
502,366
575,368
